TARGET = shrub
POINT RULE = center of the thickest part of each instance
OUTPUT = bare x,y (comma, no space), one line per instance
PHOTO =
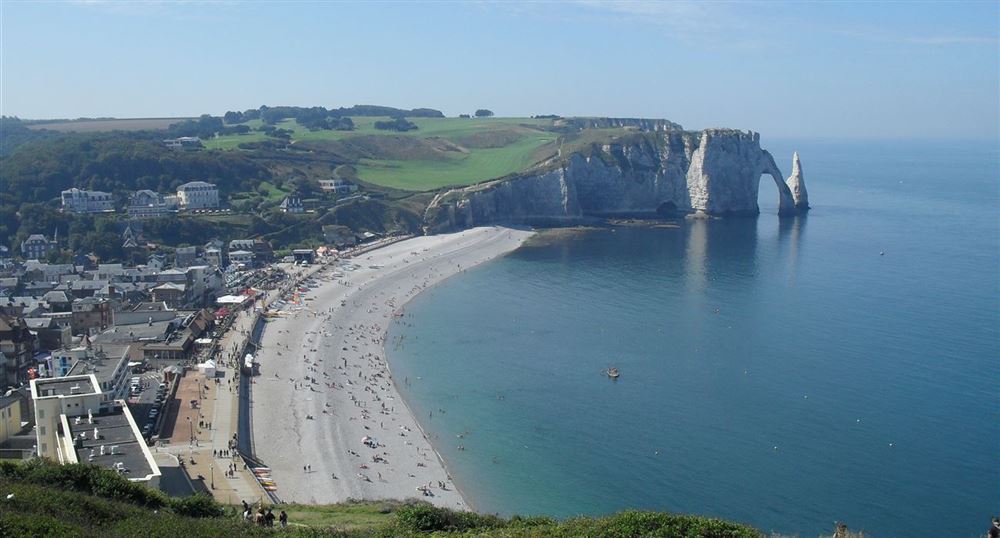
199,505
426,518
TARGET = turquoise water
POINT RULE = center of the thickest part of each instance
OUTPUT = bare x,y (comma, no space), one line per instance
781,373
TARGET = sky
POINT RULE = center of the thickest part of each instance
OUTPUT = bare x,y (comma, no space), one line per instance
819,70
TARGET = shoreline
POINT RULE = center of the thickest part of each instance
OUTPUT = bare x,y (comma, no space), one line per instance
313,411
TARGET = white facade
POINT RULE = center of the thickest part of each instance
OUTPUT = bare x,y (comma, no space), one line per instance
80,398
147,203
77,201
241,256
338,186
67,403
184,142
198,195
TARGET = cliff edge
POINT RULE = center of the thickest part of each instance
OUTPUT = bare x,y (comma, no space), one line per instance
651,173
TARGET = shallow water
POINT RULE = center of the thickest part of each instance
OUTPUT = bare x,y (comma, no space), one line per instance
779,372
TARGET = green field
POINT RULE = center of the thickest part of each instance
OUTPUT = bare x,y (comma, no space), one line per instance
441,152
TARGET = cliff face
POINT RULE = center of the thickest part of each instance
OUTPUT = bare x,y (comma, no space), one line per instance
797,184
715,172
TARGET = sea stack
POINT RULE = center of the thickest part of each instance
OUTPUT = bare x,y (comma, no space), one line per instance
797,184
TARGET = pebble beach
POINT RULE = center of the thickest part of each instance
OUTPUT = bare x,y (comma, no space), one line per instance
327,417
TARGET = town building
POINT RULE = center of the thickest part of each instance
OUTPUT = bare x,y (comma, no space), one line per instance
185,256
17,347
80,201
198,195
146,203
49,335
184,142
92,314
171,293
292,204
241,257
213,256
306,255
73,425
10,415
36,247
108,364
261,250
338,186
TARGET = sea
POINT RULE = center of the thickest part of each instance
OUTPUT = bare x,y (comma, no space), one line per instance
785,373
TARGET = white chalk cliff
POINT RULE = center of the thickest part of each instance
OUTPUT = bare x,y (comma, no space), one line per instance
797,184
713,172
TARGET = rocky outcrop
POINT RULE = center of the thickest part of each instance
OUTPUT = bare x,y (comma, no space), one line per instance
797,185
713,172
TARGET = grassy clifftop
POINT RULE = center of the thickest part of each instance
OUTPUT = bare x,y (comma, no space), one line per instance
43,499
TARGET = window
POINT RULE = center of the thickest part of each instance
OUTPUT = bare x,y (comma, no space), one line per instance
41,413
41,430
45,447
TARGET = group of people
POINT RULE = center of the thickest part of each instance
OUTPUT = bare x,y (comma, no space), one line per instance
261,518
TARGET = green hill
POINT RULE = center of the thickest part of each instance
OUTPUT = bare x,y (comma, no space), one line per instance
398,159
44,499
440,152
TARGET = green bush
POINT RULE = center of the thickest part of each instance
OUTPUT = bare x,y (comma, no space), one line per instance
636,523
199,505
427,518
89,479
82,500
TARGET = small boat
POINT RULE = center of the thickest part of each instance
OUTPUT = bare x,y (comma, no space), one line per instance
612,372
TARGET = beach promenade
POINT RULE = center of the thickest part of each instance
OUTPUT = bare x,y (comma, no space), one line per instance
327,417
200,435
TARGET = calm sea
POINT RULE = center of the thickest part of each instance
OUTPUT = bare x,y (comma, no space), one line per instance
783,373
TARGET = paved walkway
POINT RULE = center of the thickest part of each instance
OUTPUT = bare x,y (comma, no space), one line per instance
213,420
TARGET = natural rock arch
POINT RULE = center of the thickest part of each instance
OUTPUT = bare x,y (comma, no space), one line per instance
786,204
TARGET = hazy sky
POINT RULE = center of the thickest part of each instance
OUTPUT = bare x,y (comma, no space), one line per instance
898,70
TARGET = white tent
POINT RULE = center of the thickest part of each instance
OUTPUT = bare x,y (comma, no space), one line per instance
207,368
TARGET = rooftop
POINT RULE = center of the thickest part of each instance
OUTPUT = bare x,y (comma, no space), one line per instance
64,386
104,367
157,330
114,430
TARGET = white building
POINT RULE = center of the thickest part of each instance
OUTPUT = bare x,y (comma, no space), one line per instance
198,195
77,201
244,257
292,204
71,426
338,186
184,142
147,203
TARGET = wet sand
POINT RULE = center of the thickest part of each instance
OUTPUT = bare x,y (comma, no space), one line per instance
325,384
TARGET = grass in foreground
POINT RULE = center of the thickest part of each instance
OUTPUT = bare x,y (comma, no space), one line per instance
80,500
